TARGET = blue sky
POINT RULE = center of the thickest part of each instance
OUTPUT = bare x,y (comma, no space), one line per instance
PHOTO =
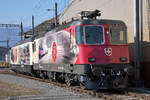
15,11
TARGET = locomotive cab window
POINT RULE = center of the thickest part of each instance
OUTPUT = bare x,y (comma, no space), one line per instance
94,34
79,35
118,35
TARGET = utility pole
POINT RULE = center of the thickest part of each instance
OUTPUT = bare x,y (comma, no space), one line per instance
137,42
21,26
32,25
141,20
8,45
56,17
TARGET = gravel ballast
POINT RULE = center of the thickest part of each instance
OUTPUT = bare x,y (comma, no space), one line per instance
46,91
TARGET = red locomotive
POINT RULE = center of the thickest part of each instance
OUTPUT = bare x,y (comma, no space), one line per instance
92,52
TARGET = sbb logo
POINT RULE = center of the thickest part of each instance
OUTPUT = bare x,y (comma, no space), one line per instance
54,51
108,51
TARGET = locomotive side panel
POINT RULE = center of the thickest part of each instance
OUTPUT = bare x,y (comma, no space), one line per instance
25,54
57,48
22,57
57,51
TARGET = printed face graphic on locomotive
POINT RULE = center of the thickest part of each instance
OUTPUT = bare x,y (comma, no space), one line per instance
57,48
24,54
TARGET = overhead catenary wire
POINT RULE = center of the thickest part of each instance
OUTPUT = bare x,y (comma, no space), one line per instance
42,14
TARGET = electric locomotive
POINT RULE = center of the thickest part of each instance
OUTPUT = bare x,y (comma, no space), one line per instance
88,51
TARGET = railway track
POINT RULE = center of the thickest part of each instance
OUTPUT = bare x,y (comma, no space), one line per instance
107,95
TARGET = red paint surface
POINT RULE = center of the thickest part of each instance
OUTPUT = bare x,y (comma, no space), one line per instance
54,51
97,51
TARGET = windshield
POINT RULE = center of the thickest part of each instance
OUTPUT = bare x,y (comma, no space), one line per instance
94,35
118,35
89,34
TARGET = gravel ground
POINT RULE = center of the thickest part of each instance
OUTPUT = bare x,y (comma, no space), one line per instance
48,91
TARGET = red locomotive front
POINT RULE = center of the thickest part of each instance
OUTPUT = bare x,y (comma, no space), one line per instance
101,50
102,44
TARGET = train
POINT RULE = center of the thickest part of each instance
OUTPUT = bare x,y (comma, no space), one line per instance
90,52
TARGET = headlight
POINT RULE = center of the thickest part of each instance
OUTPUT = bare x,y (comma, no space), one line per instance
91,59
123,59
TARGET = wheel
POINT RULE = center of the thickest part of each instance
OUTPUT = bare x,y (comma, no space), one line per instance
68,83
67,80
82,86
